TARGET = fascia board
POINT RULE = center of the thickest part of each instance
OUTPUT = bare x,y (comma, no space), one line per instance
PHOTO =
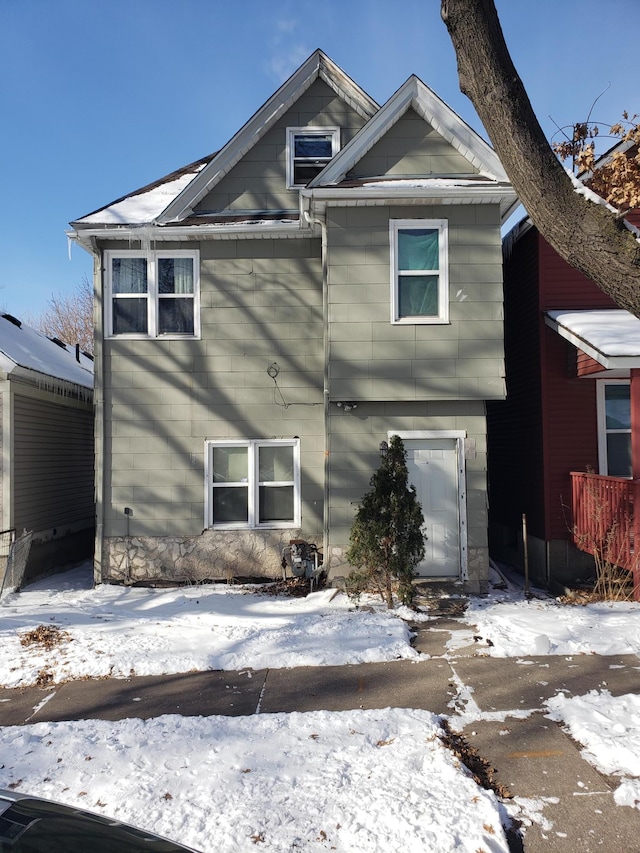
365,139
346,88
39,379
610,362
458,133
318,65
504,196
414,93
7,364
191,232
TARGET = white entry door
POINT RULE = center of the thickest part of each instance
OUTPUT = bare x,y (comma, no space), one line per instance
433,470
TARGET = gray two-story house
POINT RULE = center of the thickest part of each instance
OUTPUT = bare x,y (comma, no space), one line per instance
268,316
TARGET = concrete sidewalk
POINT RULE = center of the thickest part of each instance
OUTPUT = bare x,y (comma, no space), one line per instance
532,756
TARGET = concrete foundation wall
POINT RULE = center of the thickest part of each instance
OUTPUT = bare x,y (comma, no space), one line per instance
552,565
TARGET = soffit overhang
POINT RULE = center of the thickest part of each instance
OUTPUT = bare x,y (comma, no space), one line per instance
610,337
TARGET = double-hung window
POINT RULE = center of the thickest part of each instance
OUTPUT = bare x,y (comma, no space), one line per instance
309,149
253,483
419,271
614,427
152,294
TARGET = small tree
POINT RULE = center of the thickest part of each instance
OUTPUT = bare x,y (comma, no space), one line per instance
69,318
386,539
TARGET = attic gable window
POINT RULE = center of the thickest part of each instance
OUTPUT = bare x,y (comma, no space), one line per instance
419,271
152,294
309,149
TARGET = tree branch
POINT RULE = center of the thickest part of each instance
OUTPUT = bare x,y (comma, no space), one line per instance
587,235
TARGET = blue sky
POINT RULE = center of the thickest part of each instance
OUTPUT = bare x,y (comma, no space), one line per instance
99,97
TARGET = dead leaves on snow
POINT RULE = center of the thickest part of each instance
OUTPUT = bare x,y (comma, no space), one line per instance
47,636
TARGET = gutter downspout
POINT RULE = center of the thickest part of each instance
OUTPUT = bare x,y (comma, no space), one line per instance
310,219
98,398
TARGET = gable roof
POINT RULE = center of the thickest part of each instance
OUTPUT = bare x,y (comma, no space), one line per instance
416,95
167,205
488,185
171,199
24,347
318,66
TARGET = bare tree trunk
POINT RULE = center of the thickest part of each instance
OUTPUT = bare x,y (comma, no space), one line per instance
388,589
586,235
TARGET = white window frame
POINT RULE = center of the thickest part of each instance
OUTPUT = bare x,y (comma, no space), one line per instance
253,484
442,225
603,432
152,296
292,132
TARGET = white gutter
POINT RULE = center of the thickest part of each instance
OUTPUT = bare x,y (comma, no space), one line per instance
381,196
98,401
264,229
306,215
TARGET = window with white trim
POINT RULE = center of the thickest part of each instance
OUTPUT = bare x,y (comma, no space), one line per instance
152,294
419,270
614,427
254,483
309,149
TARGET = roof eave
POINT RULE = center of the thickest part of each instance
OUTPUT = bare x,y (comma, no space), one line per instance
165,233
609,362
38,377
380,196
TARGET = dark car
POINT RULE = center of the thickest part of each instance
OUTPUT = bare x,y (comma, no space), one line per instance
32,825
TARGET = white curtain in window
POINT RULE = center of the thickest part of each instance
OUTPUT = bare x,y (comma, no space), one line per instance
183,275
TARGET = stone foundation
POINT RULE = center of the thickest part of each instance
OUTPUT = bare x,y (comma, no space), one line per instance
476,583
214,555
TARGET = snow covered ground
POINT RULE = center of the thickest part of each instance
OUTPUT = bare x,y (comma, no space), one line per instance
519,627
359,780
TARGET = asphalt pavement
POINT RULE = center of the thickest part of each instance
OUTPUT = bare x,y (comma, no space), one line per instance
532,756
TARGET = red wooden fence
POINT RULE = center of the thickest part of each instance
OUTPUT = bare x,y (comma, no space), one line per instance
605,520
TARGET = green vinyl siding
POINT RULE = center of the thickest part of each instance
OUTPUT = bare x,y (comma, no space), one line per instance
412,148
371,359
261,303
258,181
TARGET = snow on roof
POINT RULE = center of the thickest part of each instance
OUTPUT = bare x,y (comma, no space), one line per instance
142,207
21,346
610,336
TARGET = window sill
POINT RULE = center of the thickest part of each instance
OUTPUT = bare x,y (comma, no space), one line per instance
283,525
421,321
140,337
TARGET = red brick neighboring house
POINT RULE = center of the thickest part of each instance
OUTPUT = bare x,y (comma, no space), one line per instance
573,405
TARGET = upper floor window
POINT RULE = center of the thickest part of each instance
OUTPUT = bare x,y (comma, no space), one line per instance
253,483
614,428
309,149
152,294
419,271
